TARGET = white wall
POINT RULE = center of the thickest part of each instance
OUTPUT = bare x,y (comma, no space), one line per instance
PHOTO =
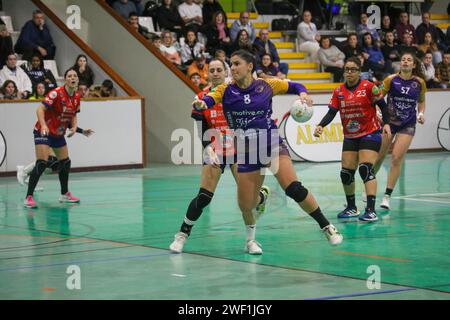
117,139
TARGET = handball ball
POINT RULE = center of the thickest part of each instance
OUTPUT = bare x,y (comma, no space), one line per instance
300,111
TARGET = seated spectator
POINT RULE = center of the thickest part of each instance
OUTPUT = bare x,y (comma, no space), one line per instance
366,73
210,7
220,54
169,18
83,70
403,26
244,42
425,27
352,48
133,20
139,7
34,38
331,58
429,45
363,28
156,41
37,73
169,49
267,46
443,71
9,91
83,89
407,45
391,51
386,27
39,91
191,48
124,8
267,69
201,67
375,62
106,90
308,36
429,71
197,80
218,34
6,44
11,72
192,15
242,24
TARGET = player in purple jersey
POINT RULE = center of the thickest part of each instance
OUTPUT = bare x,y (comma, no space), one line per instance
405,92
247,105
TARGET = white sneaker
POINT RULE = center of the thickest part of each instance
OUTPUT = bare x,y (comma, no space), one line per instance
333,235
177,245
253,247
364,196
21,176
385,202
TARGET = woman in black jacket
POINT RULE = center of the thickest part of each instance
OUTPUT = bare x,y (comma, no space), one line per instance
168,17
37,73
218,34
85,73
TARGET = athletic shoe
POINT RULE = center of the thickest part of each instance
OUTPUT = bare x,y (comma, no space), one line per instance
348,213
29,202
260,208
364,196
385,202
333,235
369,215
69,198
253,247
21,176
177,245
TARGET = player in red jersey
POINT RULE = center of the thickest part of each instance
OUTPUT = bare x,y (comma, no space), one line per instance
218,152
356,100
55,114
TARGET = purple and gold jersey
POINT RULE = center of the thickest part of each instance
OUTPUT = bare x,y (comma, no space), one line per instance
403,96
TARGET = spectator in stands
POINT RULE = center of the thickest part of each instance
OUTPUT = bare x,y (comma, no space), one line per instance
407,44
124,8
221,55
37,73
443,71
425,27
380,67
168,17
133,20
11,72
156,40
267,69
331,58
9,91
106,90
308,36
244,42
210,7
363,28
6,44
83,70
267,46
169,48
139,7
197,80
391,51
404,26
352,48
191,48
386,26
242,24
428,44
218,34
83,89
35,37
192,15
39,91
429,71
201,67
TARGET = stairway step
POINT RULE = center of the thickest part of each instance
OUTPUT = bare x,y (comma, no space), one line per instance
309,75
284,45
235,15
443,26
322,86
439,16
256,25
303,65
292,55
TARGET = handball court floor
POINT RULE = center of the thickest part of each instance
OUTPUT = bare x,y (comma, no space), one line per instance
119,236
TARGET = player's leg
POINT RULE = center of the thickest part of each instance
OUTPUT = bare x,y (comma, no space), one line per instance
287,178
348,169
385,145
62,153
42,150
209,179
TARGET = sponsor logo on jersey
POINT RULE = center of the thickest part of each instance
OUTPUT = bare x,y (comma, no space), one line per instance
53,95
353,126
259,89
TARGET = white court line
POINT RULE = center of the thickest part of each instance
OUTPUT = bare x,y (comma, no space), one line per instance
421,194
178,275
423,200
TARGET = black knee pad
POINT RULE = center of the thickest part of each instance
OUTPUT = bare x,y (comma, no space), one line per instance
366,172
53,163
64,165
297,191
203,198
347,176
40,167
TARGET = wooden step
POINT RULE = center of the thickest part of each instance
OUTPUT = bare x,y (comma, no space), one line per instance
310,75
303,65
322,86
292,55
235,15
284,45
439,16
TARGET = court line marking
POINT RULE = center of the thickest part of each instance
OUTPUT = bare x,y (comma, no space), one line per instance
361,294
424,200
372,256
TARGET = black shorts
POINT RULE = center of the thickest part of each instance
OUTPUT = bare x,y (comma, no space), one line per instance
372,141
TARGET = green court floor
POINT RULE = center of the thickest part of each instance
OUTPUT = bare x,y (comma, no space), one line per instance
119,235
